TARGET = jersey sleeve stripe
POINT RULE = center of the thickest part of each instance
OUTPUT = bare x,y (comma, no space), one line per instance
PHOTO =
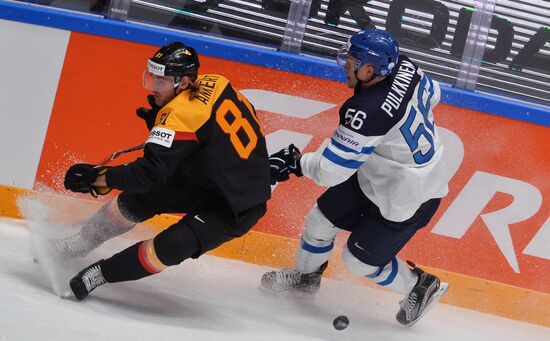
365,150
185,136
340,161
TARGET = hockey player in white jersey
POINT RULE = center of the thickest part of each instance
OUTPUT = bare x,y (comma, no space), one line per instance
385,173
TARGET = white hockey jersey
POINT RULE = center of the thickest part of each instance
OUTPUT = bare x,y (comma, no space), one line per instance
387,135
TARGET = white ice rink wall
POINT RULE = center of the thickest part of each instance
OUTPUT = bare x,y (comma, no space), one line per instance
30,65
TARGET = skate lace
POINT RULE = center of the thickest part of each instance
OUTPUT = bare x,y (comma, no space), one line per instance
409,303
288,277
93,277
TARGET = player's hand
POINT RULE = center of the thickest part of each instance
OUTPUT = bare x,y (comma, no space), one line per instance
149,115
284,162
80,177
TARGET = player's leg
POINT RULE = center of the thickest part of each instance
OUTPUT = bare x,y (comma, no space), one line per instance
316,245
371,252
195,234
120,215
108,222
340,206
316,242
148,257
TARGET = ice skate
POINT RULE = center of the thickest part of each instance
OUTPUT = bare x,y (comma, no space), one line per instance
427,291
291,281
87,280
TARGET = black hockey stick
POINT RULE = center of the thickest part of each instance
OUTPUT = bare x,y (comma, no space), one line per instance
121,152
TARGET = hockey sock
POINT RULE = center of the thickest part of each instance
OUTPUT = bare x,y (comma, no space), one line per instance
316,243
107,223
127,266
170,247
395,275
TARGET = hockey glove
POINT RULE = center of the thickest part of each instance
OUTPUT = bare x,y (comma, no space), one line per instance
284,162
149,115
80,177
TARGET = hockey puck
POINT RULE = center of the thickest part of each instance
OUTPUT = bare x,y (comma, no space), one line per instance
341,322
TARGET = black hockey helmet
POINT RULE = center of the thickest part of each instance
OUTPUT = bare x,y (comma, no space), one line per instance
173,60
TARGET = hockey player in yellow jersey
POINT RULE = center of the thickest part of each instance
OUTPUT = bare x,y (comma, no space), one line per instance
205,156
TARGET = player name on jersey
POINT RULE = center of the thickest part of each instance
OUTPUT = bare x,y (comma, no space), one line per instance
399,87
208,83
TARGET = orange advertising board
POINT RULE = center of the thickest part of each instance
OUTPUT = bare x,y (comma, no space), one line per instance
494,223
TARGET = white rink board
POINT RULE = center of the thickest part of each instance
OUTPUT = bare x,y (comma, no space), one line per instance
30,66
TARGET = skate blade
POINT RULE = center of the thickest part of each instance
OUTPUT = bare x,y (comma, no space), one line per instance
443,287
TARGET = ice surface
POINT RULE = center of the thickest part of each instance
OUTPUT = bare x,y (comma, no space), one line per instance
215,299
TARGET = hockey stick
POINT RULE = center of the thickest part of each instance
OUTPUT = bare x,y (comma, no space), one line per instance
121,152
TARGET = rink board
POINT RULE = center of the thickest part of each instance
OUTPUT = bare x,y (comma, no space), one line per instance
489,236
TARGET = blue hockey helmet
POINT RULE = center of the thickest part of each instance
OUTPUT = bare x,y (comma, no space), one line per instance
375,47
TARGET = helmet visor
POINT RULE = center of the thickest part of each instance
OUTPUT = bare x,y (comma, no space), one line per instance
157,83
342,56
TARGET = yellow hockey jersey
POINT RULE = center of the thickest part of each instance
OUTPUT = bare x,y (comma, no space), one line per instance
214,140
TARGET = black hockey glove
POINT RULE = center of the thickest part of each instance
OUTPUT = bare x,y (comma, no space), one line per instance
284,162
80,177
149,115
